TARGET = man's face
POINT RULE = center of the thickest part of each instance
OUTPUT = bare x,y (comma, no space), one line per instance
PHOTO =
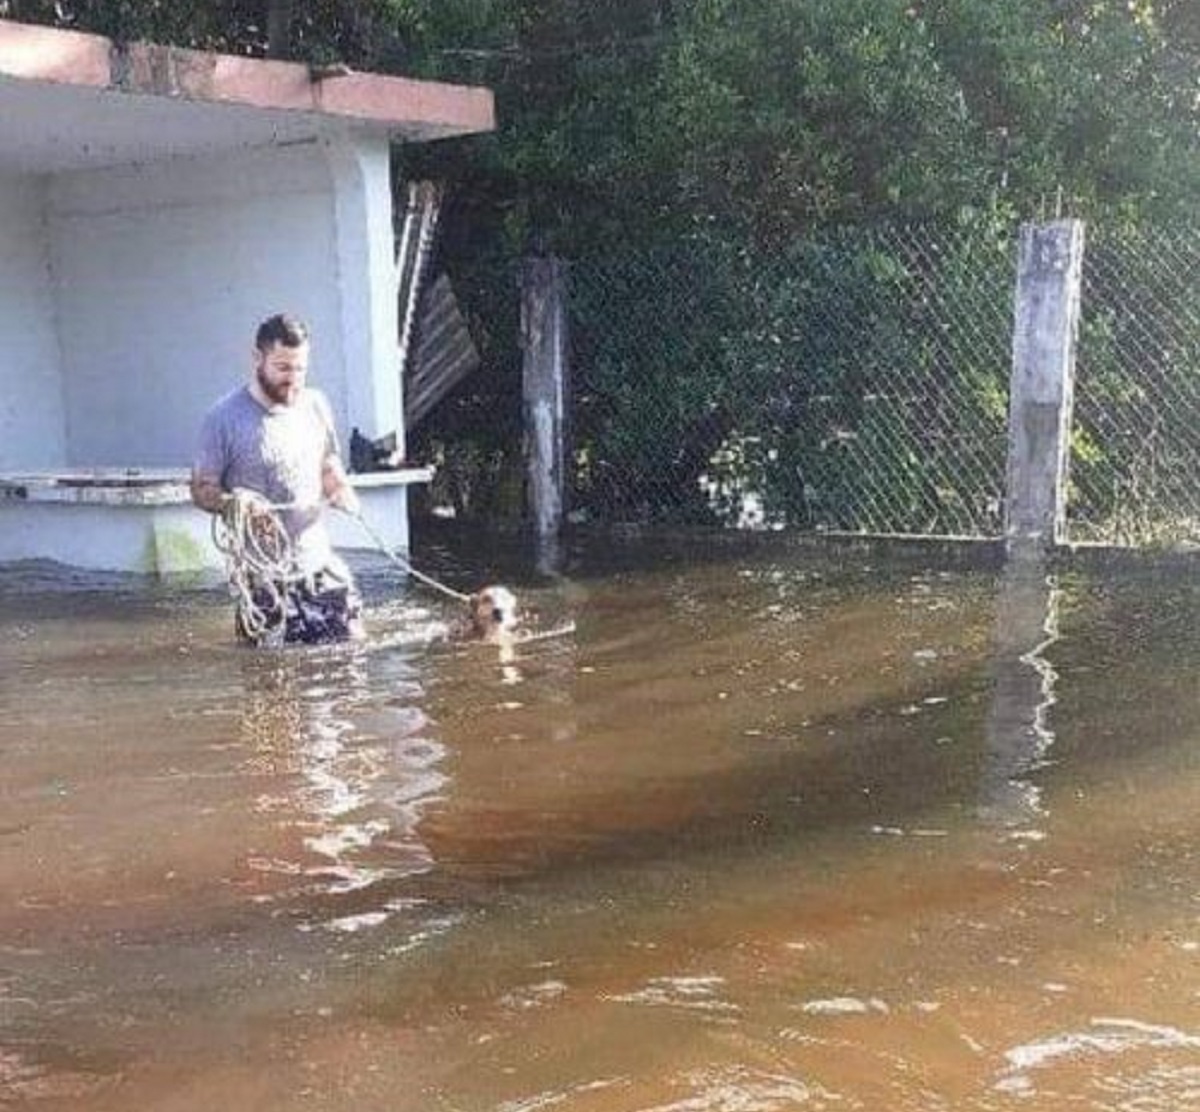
281,371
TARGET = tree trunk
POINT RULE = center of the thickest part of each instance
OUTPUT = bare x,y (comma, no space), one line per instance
279,28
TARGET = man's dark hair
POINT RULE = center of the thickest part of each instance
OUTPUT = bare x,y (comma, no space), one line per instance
282,328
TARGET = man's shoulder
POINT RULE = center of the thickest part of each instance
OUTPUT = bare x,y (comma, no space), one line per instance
236,402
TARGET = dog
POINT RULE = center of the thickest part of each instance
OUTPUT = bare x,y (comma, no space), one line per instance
493,615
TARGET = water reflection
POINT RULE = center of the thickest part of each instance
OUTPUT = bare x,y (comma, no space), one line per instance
549,555
348,776
1018,732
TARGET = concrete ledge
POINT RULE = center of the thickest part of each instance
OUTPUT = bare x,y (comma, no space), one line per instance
418,109
46,54
135,486
143,520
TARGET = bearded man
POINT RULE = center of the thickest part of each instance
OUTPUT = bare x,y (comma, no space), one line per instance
268,455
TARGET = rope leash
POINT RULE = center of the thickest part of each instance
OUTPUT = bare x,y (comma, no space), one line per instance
261,565
403,564
522,638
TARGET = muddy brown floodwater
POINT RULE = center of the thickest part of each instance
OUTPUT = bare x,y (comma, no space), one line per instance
767,831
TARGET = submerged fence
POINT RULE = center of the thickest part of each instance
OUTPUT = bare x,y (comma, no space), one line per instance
854,382
1135,477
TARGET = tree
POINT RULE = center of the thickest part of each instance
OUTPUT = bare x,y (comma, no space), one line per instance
280,14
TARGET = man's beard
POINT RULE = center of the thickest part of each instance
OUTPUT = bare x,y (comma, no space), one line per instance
277,393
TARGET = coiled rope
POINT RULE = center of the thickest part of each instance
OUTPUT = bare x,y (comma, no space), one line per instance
261,565
259,560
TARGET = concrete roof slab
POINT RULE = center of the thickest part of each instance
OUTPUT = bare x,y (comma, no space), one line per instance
70,100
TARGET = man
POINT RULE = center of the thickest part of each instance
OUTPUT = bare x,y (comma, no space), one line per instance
269,448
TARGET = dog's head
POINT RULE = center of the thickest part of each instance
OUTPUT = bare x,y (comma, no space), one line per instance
494,613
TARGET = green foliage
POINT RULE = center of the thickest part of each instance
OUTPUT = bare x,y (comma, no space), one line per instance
763,119
730,136
1136,442
848,380
364,33
791,114
654,392
640,120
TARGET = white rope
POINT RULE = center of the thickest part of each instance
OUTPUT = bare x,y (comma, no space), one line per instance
259,560
404,565
522,638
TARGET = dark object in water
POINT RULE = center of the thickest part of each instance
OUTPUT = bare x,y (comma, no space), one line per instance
373,455
318,611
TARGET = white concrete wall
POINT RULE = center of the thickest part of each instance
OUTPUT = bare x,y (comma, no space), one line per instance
163,271
32,422
145,539
368,285
170,537
128,302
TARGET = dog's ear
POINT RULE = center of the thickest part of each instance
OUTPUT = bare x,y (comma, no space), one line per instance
476,604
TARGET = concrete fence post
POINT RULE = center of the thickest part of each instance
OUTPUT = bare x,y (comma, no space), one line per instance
546,380
1045,330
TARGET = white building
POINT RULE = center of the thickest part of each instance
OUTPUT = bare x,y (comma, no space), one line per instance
155,205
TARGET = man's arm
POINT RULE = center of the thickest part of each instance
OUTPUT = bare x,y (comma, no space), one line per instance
335,485
208,492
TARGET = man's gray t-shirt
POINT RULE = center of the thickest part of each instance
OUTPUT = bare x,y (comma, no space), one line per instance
279,453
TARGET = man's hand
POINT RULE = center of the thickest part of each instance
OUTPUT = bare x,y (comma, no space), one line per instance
248,502
345,498
337,489
207,492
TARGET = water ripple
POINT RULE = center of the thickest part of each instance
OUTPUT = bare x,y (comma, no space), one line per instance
1105,1038
740,1089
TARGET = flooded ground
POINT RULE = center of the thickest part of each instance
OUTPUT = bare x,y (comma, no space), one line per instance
767,831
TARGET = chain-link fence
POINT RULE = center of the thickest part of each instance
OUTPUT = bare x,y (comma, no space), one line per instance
856,381
1135,477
